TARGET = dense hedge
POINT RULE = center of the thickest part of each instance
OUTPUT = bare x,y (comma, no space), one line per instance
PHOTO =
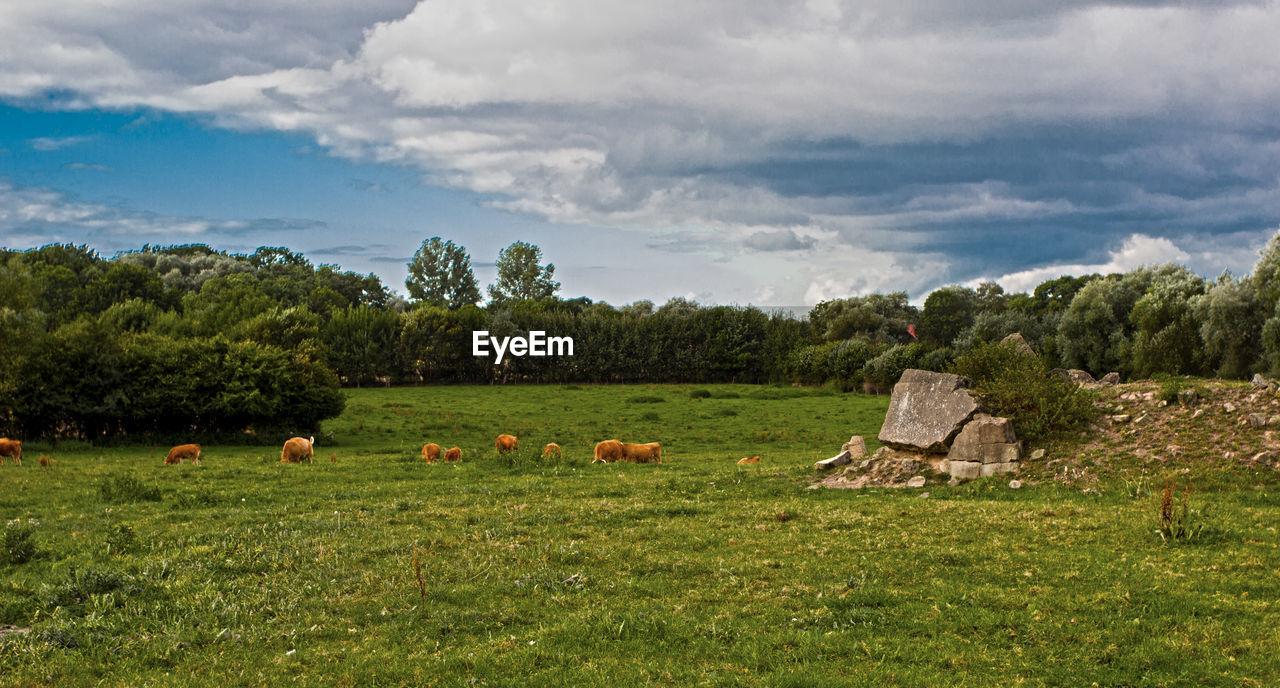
186,339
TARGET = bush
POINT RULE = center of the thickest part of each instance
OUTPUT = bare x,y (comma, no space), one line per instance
888,367
645,399
1019,387
699,394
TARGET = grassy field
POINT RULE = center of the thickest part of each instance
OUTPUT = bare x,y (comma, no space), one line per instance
243,571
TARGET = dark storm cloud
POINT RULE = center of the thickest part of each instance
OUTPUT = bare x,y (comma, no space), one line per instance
989,136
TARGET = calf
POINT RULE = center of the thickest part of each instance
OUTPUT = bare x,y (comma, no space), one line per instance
608,451
431,453
506,444
296,449
183,451
11,449
749,459
551,451
454,454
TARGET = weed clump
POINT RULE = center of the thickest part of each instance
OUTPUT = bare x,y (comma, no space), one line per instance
1174,390
17,545
84,584
127,488
699,394
645,399
121,538
1017,386
1178,522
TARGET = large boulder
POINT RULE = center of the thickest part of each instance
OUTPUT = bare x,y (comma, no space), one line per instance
1019,343
927,411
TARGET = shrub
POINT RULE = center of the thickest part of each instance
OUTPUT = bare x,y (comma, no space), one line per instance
699,394
888,367
645,399
1019,387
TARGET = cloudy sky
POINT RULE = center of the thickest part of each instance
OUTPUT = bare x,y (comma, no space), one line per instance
775,153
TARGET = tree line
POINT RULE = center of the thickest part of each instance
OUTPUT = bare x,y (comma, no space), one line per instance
187,340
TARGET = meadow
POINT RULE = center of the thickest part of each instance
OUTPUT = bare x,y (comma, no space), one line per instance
370,567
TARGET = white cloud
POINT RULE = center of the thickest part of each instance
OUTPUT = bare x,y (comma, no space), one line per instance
53,143
30,215
841,275
1136,251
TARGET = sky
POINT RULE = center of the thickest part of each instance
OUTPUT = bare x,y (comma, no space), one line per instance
771,153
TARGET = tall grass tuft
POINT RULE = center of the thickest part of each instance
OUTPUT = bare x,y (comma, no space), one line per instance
127,488
1177,521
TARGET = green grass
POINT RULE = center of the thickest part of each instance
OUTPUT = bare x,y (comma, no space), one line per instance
693,572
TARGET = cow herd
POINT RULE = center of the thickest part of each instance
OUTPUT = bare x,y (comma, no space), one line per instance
606,451
299,449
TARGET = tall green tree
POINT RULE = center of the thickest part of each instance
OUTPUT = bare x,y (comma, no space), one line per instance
1231,327
1167,326
947,312
521,275
440,275
1095,332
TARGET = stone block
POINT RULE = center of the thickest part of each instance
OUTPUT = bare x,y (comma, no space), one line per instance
997,468
856,446
838,460
927,411
964,470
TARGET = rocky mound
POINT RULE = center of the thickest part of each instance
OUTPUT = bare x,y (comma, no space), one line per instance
1210,422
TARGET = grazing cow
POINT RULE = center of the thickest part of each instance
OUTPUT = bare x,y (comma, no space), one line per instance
749,459
183,451
296,449
11,449
608,451
45,460
506,444
642,453
551,451
431,452
454,454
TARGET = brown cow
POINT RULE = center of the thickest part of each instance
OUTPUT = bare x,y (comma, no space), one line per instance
506,444
551,450
454,454
11,449
431,452
296,449
642,453
749,459
183,451
608,451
